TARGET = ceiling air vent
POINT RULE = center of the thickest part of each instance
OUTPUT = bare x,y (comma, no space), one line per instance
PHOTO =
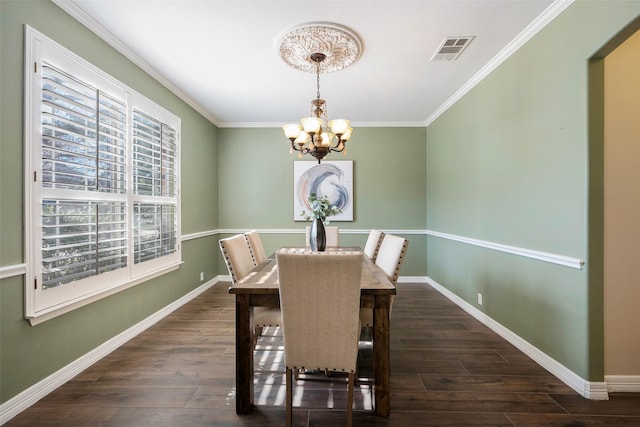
451,48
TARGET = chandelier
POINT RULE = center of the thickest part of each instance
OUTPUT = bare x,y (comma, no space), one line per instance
319,47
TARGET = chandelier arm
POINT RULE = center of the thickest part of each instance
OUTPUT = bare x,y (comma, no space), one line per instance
340,145
337,144
301,149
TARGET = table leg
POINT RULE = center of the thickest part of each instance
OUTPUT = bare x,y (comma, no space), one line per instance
244,355
381,354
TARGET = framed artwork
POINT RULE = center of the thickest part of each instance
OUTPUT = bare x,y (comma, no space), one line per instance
333,179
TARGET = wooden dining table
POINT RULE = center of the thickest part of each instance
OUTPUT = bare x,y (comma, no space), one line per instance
260,289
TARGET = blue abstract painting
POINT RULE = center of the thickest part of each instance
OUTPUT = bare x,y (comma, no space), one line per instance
333,179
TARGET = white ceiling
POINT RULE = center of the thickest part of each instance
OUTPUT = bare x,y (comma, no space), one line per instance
220,56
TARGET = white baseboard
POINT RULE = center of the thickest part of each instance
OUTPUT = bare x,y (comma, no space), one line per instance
413,279
28,397
623,383
588,389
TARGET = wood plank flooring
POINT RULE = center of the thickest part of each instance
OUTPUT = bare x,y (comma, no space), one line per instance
446,369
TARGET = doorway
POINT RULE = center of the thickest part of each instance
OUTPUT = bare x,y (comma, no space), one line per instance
621,208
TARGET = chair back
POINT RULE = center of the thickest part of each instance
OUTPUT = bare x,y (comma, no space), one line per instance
391,255
320,300
332,232
237,256
372,246
255,246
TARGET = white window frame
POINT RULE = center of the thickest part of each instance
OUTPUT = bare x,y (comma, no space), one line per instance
43,304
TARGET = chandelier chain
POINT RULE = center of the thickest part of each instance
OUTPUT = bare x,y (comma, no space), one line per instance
318,79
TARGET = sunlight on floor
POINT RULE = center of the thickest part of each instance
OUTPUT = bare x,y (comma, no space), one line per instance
311,389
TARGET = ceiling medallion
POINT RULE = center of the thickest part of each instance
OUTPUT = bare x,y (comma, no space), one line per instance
341,47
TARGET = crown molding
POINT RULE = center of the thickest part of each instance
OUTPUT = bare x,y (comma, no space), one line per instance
549,14
539,23
81,16
355,125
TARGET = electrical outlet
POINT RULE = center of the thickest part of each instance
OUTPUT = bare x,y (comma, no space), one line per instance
201,276
479,298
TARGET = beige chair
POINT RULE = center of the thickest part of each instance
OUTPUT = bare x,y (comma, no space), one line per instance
262,316
390,258
319,299
237,256
372,245
332,233
239,260
255,246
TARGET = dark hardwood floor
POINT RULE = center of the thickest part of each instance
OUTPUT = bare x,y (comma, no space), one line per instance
446,369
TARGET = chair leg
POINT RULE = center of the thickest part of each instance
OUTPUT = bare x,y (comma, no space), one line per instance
352,376
257,331
289,397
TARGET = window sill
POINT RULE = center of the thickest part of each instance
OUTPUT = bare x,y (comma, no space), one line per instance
53,312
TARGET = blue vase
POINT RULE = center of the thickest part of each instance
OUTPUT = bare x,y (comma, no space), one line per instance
317,236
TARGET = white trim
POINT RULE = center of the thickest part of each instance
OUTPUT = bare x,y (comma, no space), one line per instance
28,397
531,30
355,125
401,279
192,236
302,231
566,261
40,49
19,269
588,389
81,16
12,270
44,315
413,279
623,383
576,263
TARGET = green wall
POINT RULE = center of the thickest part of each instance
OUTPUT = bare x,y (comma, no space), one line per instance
256,187
232,179
508,164
29,354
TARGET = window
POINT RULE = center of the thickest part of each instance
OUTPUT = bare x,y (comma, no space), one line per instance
102,182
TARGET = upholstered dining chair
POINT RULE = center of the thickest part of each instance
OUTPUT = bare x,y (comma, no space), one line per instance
237,256
319,299
239,260
255,246
391,254
372,245
331,231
